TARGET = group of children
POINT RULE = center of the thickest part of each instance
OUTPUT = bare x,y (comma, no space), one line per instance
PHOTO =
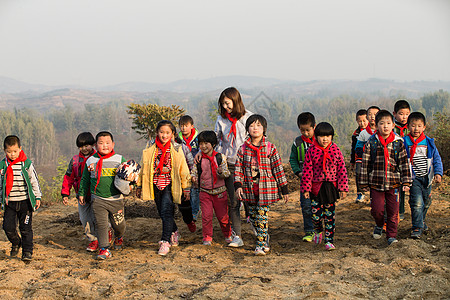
213,171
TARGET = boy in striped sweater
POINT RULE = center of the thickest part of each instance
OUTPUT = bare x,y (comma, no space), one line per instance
20,196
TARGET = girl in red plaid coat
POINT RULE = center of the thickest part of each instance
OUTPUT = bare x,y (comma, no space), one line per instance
259,178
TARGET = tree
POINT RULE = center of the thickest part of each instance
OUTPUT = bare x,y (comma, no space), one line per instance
146,117
436,102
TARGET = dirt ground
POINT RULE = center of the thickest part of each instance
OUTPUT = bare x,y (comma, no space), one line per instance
360,267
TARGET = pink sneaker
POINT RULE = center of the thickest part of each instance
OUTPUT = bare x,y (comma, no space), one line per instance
329,246
93,246
164,248
174,239
192,227
229,239
317,238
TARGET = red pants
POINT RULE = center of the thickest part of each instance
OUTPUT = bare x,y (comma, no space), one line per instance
378,200
219,205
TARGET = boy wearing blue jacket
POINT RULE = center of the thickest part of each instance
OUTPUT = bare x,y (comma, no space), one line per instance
426,165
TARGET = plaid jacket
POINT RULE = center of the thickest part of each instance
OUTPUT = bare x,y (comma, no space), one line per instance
374,176
272,178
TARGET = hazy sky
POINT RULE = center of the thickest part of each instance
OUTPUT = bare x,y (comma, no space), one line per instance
100,42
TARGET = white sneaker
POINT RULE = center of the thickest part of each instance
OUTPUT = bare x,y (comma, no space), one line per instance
236,242
259,251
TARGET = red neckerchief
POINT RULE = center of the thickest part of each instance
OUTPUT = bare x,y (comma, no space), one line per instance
384,143
9,171
233,126
412,151
163,148
213,163
307,140
98,168
189,139
85,158
369,130
257,149
325,154
402,133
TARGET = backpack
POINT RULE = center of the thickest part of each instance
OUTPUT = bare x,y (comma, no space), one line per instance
301,149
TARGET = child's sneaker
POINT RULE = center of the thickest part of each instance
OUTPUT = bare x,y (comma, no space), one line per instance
317,238
308,237
164,248
259,251
104,254
27,256
192,227
93,246
377,232
118,242
229,239
174,239
207,243
416,233
329,246
392,240
360,198
236,242
14,250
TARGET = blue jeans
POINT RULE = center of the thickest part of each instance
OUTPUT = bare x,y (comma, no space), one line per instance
195,202
307,214
419,201
166,210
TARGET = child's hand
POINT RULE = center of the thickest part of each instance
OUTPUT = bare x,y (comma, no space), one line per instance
38,204
187,195
405,188
198,157
138,192
240,193
299,174
65,200
194,179
438,178
306,194
286,198
165,170
81,200
342,195
219,170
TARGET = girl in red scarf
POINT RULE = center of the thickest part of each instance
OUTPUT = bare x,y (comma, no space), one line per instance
324,181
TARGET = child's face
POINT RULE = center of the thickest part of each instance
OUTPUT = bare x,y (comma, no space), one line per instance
371,116
186,129
105,145
12,152
362,121
206,148
228,105
256,130
307,130
165,134
416,127
385,126
402,115
324,140
86,149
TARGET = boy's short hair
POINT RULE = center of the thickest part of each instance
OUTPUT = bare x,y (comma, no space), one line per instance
186,119
414,116
166,123
401,104
103,133
372,107
11,140
383,114
85,138
324,129
306,118
208,136
361,112
253,118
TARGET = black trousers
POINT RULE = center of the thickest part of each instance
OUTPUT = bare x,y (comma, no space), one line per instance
21,212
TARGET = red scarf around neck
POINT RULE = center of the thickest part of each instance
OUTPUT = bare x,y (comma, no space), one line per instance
85,158
233,127
213,164
98,168
163,148
413,149
189,139
307,140
402,129
9,171
256,149
325,154
385,143
369,130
